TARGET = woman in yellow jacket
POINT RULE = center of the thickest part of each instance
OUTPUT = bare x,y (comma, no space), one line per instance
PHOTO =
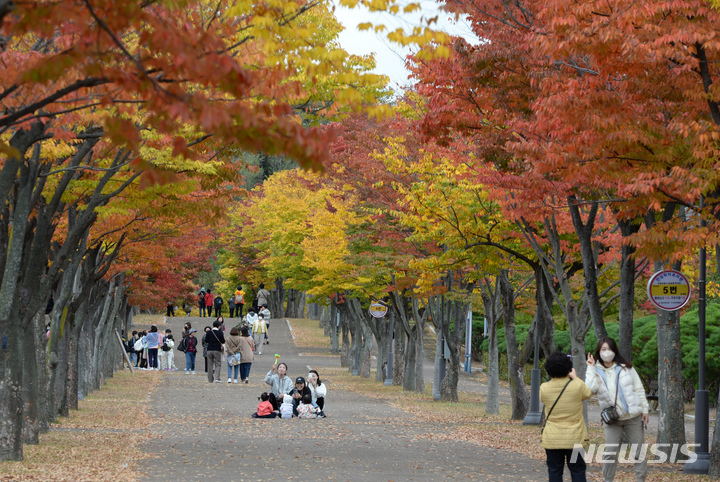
565,426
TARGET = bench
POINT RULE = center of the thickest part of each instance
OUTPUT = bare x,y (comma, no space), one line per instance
652,395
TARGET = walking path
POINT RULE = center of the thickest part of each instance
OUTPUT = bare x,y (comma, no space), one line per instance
205,430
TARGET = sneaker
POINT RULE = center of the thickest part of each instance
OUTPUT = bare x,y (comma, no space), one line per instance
234,381
192,372
187,372
246,381
229,380
218,381
321,415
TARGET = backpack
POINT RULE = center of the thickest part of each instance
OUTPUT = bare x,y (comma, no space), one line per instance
183,346
239,299
165,346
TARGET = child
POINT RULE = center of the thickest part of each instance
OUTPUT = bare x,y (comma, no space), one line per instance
265,408
265,313
286,409
166,353
306,409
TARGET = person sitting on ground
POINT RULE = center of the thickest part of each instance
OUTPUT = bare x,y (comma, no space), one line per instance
318,390
301,389
265,408
286,408
306,409
280,383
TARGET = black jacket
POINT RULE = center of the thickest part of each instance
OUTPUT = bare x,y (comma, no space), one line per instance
214,339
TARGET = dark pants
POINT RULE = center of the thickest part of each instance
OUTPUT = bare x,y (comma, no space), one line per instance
556,463
238,310
170,311
202,310
320,402
152,358
209,311
232,311
218,311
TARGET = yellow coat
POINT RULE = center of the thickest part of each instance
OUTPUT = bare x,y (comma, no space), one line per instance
566,425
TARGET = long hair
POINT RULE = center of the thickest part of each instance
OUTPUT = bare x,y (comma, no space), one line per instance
619,359
317,375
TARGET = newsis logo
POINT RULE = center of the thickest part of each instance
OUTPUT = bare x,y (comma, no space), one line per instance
653,453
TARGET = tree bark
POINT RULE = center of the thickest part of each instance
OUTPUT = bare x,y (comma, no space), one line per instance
491,304
627,290
516,371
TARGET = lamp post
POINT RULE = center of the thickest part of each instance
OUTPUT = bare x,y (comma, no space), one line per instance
534,415
468,342
389,369
701,465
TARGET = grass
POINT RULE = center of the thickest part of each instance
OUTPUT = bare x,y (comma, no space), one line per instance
90,444
308,333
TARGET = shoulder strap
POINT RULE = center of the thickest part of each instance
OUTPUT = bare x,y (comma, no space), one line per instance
617,384
556,401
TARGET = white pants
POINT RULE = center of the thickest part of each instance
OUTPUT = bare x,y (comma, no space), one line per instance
259,338
166,359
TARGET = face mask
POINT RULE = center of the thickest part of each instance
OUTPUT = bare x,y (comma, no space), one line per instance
607,355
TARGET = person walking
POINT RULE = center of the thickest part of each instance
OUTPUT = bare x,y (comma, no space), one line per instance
218,302
246,354
204,345
258,329
209,303
215,341
231,306
564,428
239,301
618,386
262,298
201,303
232,350
190,352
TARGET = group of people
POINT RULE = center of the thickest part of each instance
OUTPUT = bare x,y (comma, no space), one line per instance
151,350
304,399
207,302
619,390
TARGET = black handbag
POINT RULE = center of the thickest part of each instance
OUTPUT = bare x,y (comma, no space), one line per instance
609,415
553,406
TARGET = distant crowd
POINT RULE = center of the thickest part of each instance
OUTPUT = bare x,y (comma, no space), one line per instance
212,304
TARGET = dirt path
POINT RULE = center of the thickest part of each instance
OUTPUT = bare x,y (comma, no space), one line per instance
205,431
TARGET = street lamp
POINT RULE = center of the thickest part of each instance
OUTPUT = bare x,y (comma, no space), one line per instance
701,465
534,415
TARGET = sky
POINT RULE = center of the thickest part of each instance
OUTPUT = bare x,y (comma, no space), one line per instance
390,57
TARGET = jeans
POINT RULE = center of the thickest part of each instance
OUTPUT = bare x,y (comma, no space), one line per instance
236,367
152,358
556,464
133,358
190,361
202,310
245,370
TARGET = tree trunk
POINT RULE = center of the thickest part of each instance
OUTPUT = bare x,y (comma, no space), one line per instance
399,346
277,300
627,290
671,392
491,304
34,398
345,349
516,371
584,233
301,305
11,400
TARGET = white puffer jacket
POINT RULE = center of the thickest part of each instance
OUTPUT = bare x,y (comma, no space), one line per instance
630,384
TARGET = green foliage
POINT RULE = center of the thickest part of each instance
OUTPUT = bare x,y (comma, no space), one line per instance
645,357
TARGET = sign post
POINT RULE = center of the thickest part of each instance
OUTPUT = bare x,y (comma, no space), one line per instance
669,290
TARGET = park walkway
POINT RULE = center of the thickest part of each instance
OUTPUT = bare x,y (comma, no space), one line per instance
205,431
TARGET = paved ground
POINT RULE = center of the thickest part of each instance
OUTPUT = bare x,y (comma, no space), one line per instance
205,430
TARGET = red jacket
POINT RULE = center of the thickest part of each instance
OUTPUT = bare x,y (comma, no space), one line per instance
264,408
209,299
